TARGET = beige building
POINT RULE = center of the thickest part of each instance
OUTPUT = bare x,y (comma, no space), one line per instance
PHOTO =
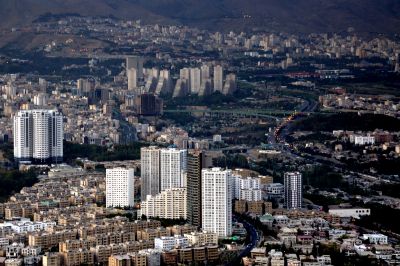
52,259
138,259
78,257
48,240
150,234
169,204
119,260
201,238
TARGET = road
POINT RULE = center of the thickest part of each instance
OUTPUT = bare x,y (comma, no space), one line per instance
254,238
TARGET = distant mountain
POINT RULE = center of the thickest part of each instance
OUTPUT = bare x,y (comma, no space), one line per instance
369,16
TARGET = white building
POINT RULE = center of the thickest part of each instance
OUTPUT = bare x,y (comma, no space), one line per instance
169,204
218,78
4,242
205,73
275,190
14,262
217,201
167,243
247,188
184,73
195,80
173,164
14,250
349,212
40,99
217,138
120,187
25,226
325,260
250,194
135,62
293,186
38,136
362,140
150,171
31,251
132,78
376,238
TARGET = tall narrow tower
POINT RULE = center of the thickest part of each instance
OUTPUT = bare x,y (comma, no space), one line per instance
150,171
218,78
293,190
217,201
194,167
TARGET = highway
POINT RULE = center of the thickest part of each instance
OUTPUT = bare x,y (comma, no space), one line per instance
254,238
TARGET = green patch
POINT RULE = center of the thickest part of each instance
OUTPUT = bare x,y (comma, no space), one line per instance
100,153
13,181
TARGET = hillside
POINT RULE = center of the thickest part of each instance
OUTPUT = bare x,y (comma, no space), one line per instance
304,16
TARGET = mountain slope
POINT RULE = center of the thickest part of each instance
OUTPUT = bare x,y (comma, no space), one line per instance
381,16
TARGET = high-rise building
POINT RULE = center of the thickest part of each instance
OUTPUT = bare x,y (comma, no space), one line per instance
230,84
137,63
150,171
217,201
40,99
181,88
205,73
164,83
173,166
43,84
218,78
148,104
84,86
196,161
184,73
132,79
293,190
169,204
195,80
38,136
120,187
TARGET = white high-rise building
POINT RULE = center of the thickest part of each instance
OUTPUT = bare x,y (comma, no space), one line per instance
218,78
184,78
120,187
169,204
38,136
150,171
10,90
173,166
164,82
195,80
205,73
184,73
132,79
137,63
293,190
217,201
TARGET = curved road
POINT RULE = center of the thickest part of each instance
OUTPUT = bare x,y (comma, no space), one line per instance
254,238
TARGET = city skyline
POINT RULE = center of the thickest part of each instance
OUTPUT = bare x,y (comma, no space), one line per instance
199,132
